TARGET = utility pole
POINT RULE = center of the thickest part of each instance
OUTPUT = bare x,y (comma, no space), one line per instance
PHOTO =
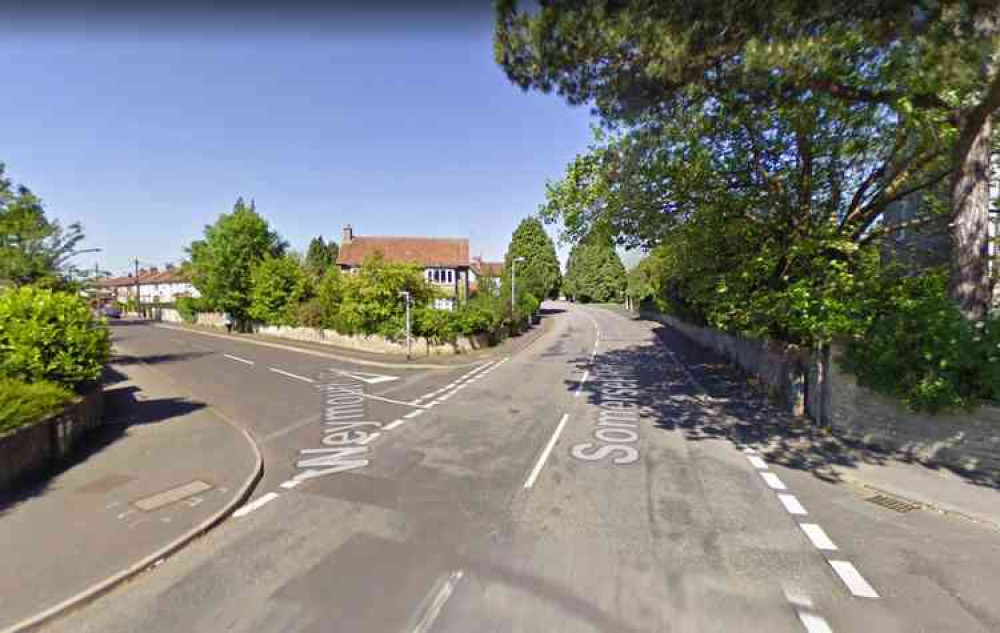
136,260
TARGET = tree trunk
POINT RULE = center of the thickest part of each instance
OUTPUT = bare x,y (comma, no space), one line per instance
970,202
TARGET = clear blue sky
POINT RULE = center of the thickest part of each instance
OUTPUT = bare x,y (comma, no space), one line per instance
407,128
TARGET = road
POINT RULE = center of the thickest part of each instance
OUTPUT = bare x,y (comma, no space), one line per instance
587,483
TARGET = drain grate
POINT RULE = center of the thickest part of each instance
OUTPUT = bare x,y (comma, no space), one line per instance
894,503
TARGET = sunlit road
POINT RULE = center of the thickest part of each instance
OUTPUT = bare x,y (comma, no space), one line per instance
585,484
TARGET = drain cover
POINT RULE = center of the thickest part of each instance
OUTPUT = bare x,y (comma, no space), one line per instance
894,503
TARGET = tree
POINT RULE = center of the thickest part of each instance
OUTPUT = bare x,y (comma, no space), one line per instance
33,249
370,301
539,274
223,261
594,271
320,256
930,66
277,286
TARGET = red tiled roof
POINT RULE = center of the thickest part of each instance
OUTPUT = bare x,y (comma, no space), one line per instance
161,277
491,269
425,251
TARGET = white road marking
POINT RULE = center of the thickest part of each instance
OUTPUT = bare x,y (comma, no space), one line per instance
773,481
371,379
583,381
792,504
545,454
797,597
370,438
814,623
250,507
851,577
440,597
291,483
291,375
413,414
238,359
818,536
750,451
392,425
390,400
757,462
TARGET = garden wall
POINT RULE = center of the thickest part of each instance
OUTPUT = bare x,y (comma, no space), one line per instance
33,450
373,343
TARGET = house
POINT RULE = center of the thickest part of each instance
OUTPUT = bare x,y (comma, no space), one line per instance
485,273
445,261
155,286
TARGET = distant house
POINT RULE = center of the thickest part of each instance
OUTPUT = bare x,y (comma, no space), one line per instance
155,286
483,272
445,261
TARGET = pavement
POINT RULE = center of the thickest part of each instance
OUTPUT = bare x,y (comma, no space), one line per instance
161,471
608,477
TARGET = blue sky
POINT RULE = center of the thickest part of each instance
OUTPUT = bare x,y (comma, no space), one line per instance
408,128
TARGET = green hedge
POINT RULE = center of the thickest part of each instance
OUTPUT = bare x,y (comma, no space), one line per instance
50,336
24,403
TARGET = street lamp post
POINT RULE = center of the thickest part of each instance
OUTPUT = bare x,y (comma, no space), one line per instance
409,349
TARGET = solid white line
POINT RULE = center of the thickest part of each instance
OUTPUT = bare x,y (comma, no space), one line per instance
413,414
814,623
773,481
393,424
792,504
545,454
434,609
238,359
757,462
818,536
250,507
291,375
291,483
750,451
390,400
583,381
851,577
370,438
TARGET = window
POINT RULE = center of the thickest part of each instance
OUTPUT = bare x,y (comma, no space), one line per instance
445,303
440,275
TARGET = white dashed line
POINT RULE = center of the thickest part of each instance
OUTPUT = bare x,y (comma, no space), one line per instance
583,381
814,623
291,483
792,504
250,507
413,414
773,481
804,609
238,359
855,582
545,454
435,605
290,375
757,462
818,536
392,425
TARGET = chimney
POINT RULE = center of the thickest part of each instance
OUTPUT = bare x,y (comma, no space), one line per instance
347,235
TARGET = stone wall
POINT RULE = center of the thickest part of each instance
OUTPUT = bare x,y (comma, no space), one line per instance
964,441
33,450
781,368
373,343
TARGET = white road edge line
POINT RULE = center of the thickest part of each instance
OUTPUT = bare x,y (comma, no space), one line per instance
413,414
792,504
813,623
238,359
434,608
818,536
757,462
250,507
583,381
750,451
774,481
291,483
851,577
290,374
545,454
392,425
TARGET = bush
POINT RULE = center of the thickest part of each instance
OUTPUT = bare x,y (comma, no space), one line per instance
189,307
277,286
311,313
24,403
921,349
53,336
437,326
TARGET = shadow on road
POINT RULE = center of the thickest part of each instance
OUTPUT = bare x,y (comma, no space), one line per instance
737,409
158,359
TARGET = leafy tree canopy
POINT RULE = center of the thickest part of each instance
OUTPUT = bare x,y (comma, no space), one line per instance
594,272
33,249
320,256
277,286
539,275
222,262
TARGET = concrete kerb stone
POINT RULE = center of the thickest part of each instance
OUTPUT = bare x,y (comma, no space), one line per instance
99,589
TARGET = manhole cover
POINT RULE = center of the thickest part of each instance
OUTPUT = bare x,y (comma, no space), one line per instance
894,503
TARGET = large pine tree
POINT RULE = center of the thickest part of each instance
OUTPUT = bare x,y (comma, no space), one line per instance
539,274
594,272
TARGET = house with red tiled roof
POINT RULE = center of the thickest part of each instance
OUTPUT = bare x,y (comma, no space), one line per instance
154,285
445,261
485,275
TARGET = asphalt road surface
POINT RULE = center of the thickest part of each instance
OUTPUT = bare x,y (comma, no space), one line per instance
584,484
